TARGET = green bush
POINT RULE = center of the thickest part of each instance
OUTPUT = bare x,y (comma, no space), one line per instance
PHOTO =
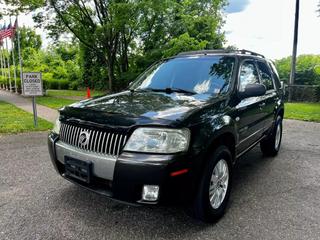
74,85
317,93
56,84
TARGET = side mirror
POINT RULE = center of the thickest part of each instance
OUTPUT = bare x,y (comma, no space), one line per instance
253,90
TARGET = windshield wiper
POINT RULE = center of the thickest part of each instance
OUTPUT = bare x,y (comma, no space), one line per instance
170,90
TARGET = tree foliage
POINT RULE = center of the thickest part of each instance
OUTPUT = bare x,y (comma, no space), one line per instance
119,38
59,64
307,69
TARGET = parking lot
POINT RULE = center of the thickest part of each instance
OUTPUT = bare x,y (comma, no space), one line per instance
272,198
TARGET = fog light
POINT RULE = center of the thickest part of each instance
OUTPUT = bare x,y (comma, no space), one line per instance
150,192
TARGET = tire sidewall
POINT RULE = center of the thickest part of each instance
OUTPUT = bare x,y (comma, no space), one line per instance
206,210
278,122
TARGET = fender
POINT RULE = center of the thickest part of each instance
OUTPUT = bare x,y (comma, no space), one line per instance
212,130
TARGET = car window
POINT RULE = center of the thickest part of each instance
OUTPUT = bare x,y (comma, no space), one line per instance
201,75
265,75
248,75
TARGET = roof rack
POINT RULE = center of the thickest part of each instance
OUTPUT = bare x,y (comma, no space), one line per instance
244,51
216,51
205,52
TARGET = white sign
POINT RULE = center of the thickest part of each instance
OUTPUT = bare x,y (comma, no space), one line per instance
32,84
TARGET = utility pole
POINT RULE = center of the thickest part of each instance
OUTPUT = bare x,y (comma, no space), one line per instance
294,50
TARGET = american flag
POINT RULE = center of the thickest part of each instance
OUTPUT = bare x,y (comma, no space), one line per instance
8,31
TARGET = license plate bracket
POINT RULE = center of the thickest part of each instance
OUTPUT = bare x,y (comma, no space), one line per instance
78,169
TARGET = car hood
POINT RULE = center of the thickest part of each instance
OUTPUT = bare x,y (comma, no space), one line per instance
143,104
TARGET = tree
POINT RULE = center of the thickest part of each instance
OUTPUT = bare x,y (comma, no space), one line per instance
28,39
183,43
308,69
127,35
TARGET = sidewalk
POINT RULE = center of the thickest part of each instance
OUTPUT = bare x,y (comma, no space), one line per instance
25,103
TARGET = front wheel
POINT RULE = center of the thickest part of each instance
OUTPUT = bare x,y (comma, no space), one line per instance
271,145
214,190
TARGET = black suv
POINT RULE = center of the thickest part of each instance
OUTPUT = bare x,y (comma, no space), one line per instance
176,133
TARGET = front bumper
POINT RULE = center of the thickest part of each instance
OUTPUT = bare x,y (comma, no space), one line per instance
123,178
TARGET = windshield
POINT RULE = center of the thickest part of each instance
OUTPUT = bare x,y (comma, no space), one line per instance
195,75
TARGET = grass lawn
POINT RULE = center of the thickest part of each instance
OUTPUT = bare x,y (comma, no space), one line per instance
58,98
54,102
303,111
73,93
15,120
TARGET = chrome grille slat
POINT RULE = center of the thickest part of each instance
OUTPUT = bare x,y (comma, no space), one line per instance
74,135
87,147
95,142
77,144
100,141
119,144
62,131
77,137
114,146
92,135
107,142
101,146
124,140
110,145
68,133
65,133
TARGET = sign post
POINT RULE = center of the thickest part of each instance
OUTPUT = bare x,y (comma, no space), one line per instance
32,87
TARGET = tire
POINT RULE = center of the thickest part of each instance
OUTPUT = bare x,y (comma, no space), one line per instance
271,145
202,208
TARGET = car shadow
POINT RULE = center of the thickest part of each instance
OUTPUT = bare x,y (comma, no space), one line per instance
103,213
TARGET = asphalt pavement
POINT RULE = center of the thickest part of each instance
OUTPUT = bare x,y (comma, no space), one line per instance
272,198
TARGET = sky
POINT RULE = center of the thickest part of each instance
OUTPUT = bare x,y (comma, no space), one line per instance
263,26
266,26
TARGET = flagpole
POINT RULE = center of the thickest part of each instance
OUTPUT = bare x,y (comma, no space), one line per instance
19,53
13,62
9,77
1,62
4,68
10,86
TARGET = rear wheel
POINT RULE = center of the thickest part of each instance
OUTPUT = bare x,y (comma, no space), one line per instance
271,145
214,190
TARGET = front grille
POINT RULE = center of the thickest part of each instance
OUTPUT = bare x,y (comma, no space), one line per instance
99,141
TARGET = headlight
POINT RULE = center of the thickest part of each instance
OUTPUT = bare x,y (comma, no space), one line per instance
158,140
56,128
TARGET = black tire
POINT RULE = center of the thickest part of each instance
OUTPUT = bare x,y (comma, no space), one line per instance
268,146
201,208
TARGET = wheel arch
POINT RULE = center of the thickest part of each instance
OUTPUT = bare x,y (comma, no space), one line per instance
227,138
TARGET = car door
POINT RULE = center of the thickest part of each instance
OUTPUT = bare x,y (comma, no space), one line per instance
249,114
271,97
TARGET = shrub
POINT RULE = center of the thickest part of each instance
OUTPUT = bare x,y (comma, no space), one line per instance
56,84
74,85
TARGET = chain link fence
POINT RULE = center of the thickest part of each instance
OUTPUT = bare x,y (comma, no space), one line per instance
303,93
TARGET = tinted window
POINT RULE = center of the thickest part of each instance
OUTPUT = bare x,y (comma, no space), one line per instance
201,75
248,75
265,75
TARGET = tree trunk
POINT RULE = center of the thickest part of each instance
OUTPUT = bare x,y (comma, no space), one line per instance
110,74
125,61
